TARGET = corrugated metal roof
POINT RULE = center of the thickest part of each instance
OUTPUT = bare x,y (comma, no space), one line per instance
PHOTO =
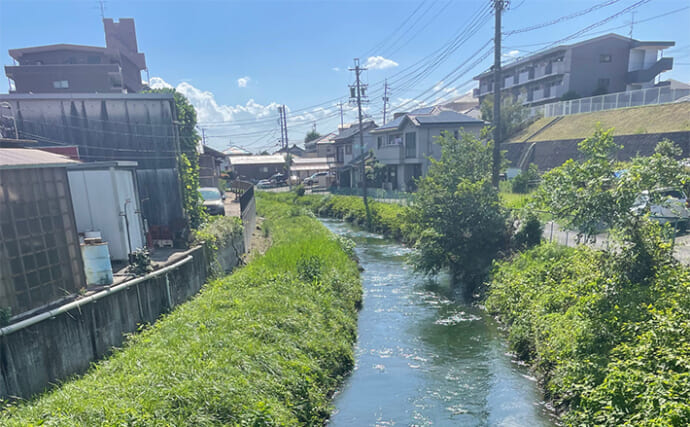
15,158
257,160
309,160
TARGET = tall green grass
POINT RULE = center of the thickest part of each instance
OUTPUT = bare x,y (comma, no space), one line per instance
267,345
386,218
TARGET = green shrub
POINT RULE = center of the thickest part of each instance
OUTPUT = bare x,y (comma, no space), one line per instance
299,190
609,351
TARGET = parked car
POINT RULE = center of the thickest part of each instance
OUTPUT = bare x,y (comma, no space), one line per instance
314,179
664,205
214,201
264,183
279,180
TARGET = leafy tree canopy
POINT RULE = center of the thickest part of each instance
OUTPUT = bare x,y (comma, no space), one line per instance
312,135
457,213
513,115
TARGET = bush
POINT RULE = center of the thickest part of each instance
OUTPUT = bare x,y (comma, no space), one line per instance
609,351
299,190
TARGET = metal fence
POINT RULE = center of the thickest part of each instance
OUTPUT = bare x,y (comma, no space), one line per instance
612,101
379,194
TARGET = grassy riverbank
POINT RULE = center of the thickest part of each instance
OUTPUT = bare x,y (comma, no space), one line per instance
609,351
266,345
386,218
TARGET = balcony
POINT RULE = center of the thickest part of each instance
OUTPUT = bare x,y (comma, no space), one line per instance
648,74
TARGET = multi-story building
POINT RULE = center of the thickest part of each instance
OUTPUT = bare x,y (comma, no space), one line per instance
71,68
606,64
406,144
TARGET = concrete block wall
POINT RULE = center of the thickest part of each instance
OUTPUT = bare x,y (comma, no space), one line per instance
36,357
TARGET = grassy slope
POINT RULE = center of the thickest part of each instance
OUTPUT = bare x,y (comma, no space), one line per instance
626,121
610,352
264,346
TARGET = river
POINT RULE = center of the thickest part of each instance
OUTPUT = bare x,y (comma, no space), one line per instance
423,358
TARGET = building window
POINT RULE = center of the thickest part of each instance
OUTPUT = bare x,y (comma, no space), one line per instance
379,141
456,134
604,58
264,169
411,144
93,59
61,84
348,149
395,139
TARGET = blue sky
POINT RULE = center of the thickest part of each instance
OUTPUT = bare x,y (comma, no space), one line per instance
238,60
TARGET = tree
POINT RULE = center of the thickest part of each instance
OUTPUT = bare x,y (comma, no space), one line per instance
375,171
188,161
312,135
457,215
513,115
599,192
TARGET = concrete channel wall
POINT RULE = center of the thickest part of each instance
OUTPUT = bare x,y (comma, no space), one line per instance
64,342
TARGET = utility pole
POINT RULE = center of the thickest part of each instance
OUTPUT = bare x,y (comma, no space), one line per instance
385,99
359,93
282,129
495,170
285,126
340,104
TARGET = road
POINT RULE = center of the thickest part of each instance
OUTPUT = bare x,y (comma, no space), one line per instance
554,232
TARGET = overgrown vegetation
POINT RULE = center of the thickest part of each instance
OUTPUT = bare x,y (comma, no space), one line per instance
267,345
457,214
386,218
188,161
608,331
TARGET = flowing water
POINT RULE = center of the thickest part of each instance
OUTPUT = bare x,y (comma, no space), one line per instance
423,358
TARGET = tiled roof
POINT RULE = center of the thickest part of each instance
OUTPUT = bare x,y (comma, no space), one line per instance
11,158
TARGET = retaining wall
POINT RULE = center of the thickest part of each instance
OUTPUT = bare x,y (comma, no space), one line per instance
550,154
34,358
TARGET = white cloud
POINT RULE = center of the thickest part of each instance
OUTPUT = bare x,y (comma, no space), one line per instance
251,125
379,63
243,81
159,83
335,69
511,54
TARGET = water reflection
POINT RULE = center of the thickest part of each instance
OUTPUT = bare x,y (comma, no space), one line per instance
423,357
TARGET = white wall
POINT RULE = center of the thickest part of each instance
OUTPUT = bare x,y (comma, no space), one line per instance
99,198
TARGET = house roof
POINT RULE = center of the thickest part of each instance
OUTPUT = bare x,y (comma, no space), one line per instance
311,163
257,160
429,116
634,44
325,139
353,129
236,151
212,152
25,158
17,53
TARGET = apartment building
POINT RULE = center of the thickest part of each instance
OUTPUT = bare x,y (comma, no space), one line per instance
605,64
71,68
